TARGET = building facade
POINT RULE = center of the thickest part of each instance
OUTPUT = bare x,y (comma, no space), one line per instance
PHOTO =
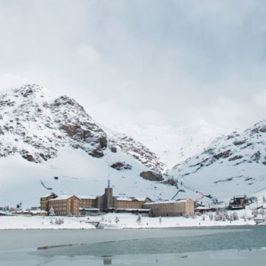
44,201
171,208
74,205
64,205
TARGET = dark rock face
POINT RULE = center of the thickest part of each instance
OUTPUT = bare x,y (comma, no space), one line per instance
239,142
263,129
236,157
27,156
223,155
96,153
78,125
170,181
113,149
152,176
137,150
256,156
121,166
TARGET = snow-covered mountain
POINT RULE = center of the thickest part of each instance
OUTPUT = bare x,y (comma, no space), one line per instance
138,151
42,137
174,143
52,144
231,165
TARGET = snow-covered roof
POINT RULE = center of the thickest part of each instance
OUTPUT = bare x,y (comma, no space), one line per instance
87,197
89,209
240,196
63,197
132,210
165,202
130,199
37,211
48,195
125,198
141,199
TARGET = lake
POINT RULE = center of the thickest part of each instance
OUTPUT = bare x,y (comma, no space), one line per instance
202,246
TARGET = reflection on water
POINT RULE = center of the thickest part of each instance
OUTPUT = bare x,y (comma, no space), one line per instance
107,260
234,239
230,246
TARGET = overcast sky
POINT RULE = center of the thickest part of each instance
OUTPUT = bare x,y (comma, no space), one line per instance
142,62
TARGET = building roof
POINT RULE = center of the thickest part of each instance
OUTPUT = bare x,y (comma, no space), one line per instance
165,202
63,197
240,196
130,199
87,197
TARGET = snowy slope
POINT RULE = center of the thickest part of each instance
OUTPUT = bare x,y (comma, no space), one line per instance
78,173
42,137
174,143
137,150
231,165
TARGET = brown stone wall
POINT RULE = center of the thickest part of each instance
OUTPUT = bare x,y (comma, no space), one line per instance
126,204
171,208
44,201
65,206
87,203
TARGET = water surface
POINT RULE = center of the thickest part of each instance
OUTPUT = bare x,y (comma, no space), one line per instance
203,246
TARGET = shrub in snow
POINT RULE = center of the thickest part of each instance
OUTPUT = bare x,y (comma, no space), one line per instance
51,211
218,217
59,221
211,216
235,216
262,211
139,219
255,212
116,219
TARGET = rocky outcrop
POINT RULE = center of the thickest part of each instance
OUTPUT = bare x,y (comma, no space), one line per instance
152,176
234,149
138,151
121,166
36,127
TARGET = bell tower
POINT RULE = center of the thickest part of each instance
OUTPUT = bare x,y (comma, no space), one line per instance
108,196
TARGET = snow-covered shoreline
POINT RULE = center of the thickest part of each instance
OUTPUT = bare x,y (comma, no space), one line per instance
116,221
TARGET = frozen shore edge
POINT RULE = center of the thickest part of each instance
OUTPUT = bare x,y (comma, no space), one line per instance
114,221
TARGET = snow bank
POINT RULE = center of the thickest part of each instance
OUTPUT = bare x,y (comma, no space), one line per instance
45,222
123,221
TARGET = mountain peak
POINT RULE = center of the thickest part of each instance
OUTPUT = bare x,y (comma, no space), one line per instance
28,89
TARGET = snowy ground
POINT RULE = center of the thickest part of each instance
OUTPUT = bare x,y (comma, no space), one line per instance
45,222
78,174
122,221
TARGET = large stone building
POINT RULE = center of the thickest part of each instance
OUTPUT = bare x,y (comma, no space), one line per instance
171,208
63,205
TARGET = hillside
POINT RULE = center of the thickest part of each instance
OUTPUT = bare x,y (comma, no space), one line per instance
231,165
42,138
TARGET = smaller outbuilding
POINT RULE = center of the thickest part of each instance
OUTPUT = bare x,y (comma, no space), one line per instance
238,202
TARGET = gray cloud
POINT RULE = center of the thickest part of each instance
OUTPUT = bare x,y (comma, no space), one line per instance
157,62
